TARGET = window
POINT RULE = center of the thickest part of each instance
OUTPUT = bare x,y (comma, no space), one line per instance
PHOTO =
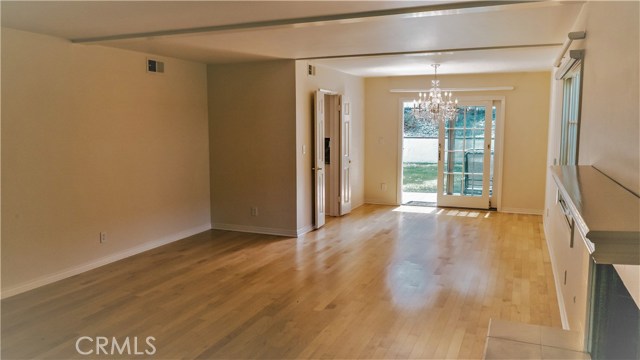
570,124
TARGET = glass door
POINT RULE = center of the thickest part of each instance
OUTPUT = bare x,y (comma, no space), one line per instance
464,157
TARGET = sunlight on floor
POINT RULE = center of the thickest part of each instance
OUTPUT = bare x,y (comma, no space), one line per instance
416,209
464,213
448,212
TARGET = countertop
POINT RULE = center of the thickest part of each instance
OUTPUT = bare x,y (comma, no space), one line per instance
605,213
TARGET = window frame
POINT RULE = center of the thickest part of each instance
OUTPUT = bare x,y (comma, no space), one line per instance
571,113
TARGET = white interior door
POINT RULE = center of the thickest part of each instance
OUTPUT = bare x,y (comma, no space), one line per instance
464,157
318,162
345,157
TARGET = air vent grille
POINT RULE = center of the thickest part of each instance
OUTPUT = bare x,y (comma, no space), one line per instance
155,66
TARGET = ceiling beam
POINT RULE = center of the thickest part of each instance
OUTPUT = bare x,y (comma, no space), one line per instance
418,52
410,12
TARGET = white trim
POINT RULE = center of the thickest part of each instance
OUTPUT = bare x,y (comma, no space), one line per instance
400,149
378,202
498,161
522,211
75,270
256,229
559,297
303,230
484,88
327,92
357,206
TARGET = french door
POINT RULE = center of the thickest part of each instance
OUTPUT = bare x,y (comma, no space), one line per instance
464,157
318,162
345,157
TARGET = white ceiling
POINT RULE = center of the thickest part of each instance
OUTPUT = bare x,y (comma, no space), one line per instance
366,38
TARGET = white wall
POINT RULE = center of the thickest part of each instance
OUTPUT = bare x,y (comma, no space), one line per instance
349,86
91,143
525,139
609,133
252,116
420,150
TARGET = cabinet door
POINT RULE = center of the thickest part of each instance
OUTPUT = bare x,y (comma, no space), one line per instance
577,286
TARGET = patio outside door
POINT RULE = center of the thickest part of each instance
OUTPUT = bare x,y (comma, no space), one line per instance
464,157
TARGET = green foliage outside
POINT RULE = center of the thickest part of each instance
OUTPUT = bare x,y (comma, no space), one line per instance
414,127
420,177
423,177
472,118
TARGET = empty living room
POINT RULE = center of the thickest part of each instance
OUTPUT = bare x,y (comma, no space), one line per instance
320,179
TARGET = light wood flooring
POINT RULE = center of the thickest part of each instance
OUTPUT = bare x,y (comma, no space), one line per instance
377,284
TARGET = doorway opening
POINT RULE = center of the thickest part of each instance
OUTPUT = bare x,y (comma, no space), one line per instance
451,163
332,156
419,159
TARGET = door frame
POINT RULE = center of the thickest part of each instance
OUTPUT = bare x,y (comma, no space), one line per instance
499,101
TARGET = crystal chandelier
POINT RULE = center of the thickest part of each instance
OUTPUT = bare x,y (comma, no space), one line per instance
436,105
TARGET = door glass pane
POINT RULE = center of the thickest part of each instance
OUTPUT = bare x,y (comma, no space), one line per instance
453,161
474,162
473,184
453,183
464,152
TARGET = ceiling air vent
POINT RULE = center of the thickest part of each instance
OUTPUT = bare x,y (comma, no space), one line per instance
155,66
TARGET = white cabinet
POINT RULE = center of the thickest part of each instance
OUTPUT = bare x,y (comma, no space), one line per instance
572,263
574,290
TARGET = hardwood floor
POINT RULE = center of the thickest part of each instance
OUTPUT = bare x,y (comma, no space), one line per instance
378,283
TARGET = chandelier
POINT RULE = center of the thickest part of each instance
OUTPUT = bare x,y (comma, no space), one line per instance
436,105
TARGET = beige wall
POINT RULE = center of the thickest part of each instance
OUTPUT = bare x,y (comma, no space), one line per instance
525,137
609,133
349,86
610,119
91,143
252,117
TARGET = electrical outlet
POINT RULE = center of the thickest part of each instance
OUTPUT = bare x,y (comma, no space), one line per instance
254,211
383,186
103,237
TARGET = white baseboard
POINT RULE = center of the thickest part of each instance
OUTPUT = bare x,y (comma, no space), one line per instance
256,229
303,230
522,211
355,206
559,297
75,270
379,202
